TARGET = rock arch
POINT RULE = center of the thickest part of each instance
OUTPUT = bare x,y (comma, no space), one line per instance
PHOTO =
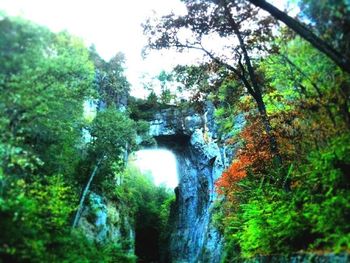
200,161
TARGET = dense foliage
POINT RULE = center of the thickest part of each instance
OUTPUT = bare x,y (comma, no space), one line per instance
283,106
44,81
300,205
151,206
53,156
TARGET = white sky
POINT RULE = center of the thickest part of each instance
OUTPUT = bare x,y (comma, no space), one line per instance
112,25
161,163
115,26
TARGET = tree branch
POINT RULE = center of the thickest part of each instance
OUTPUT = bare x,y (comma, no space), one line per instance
305,33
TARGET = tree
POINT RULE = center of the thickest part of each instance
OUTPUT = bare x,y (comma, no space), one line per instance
110,80
44,81
227,20
330,20
164,79
339,59
194,81
45,78
112,133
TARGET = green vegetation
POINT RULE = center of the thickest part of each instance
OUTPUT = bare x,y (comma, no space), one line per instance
312,216
47,160
283,101
301,205
152,209
279,97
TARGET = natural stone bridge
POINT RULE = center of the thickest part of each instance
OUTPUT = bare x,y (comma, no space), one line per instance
200,161
192,137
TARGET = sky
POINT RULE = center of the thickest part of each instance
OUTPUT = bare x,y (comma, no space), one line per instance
115,26
112,26
161,163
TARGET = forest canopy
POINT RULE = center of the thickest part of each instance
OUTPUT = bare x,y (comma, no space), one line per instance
286,189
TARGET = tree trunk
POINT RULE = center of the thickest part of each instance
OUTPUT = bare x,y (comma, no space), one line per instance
83,196
267,125
304,32
256,92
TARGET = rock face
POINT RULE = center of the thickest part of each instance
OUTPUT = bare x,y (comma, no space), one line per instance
200,161
106,222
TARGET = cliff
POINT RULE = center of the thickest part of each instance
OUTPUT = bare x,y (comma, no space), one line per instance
200,161
104,221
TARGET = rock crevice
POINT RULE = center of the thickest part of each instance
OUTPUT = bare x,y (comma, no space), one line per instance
193,139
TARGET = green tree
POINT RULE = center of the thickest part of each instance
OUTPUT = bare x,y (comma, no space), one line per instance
324,47
110,80
150,205
227,20
331,21
44,80
113,136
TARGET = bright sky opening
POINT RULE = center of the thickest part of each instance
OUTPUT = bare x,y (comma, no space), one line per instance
161,163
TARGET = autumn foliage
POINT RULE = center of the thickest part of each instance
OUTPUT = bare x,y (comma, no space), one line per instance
253,157
234,173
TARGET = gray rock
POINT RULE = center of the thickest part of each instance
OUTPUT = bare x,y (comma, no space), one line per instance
200,161
104,222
